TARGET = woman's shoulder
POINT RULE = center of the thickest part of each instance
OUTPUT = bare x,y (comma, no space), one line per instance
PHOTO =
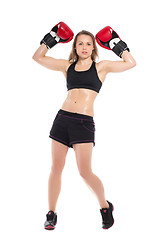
102,65
69,65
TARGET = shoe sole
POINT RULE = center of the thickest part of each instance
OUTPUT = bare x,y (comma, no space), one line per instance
49,227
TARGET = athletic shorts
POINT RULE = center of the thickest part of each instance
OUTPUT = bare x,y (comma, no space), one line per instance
70,128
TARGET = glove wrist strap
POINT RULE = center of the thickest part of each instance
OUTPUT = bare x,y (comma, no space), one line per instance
49,41
120,47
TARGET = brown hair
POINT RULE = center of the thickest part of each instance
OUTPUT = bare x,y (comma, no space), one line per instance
73,57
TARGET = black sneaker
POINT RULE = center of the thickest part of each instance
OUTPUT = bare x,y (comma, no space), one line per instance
107,217
51,220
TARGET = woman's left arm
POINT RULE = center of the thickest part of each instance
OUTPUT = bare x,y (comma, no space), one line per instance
109,39
118,66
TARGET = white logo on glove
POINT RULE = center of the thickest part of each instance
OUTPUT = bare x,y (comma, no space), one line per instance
53,34
113,42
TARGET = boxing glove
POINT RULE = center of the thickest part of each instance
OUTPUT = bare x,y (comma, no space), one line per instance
60,33
109,39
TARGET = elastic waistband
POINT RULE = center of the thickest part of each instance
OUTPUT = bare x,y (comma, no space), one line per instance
75,115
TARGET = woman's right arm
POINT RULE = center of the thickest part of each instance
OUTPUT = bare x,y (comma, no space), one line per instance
49,62
59,33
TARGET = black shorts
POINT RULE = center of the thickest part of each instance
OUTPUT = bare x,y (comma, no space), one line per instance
70,128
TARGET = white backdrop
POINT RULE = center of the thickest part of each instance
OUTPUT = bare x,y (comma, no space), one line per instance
126,156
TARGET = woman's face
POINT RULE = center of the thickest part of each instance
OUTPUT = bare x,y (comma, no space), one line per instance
84,46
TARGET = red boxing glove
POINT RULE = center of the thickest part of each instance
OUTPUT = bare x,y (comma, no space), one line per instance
109,39
64,32
59,33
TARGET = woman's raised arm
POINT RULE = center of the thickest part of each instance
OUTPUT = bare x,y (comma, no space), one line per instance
59,33
118,66
109,39
49,62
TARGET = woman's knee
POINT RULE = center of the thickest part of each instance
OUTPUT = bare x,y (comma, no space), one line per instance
85,173
57,167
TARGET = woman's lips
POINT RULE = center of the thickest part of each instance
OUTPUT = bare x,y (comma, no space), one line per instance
84,52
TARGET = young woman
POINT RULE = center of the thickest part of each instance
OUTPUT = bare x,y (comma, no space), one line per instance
74,124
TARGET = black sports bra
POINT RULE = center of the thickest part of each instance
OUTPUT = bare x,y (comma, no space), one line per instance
83,79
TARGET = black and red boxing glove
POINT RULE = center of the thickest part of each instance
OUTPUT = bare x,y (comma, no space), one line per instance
59,33
109,39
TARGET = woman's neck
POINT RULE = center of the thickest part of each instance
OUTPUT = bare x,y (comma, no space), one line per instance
84,62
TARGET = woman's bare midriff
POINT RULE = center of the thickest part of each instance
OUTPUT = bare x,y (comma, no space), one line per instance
80,100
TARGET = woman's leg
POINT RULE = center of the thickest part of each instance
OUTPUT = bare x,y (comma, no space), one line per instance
59,152
83,152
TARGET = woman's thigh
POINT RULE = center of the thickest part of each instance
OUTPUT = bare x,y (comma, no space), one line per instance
59,153
83,152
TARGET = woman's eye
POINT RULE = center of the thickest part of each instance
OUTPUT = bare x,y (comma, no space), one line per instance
87,44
